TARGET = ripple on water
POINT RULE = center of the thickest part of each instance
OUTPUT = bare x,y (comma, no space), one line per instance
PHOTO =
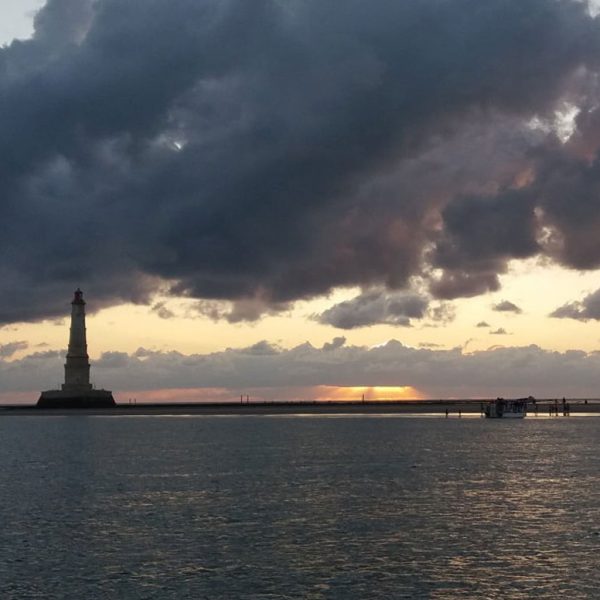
299,508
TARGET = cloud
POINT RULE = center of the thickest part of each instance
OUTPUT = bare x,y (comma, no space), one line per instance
481,234
567,186
336,342
507,306
7,350
257,153
510,371
63,22
249,309
263,348
499,331
112,360
375,307
585,310
162,311
482,324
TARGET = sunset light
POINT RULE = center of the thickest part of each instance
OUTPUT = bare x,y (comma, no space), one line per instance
368,393
299,299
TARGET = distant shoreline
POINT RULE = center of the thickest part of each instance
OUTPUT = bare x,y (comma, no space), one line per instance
317,407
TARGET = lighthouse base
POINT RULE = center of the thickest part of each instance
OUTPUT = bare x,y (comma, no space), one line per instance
76,399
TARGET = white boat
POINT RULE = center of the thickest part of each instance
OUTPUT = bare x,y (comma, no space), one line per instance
506,409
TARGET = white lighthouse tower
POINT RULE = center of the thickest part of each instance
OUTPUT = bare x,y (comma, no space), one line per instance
77,391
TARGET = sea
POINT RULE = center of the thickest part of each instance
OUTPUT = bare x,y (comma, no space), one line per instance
299,506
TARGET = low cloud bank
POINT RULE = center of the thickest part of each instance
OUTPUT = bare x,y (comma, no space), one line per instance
507,371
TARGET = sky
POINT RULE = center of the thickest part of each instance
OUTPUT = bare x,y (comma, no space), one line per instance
302,199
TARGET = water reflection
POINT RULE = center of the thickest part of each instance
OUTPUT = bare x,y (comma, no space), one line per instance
259,507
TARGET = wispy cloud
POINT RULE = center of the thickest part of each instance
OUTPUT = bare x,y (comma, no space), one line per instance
7,350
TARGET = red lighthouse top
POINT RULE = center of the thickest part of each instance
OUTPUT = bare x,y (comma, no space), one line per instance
78,297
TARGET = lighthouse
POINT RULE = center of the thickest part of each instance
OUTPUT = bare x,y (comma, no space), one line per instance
77,391
77,366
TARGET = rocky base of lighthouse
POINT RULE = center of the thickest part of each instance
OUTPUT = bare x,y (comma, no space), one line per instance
76,399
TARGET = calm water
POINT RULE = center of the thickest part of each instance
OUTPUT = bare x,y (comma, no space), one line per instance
299,507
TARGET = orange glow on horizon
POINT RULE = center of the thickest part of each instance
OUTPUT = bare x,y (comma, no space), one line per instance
308,394
371,393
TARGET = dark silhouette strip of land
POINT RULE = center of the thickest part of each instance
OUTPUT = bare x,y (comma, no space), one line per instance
423,407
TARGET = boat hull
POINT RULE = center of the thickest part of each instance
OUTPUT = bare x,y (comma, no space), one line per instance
508,415
506,409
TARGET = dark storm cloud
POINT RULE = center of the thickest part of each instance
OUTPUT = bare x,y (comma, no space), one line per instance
246,309
481,234
63,22
568,190
584,310
262,152
507,306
